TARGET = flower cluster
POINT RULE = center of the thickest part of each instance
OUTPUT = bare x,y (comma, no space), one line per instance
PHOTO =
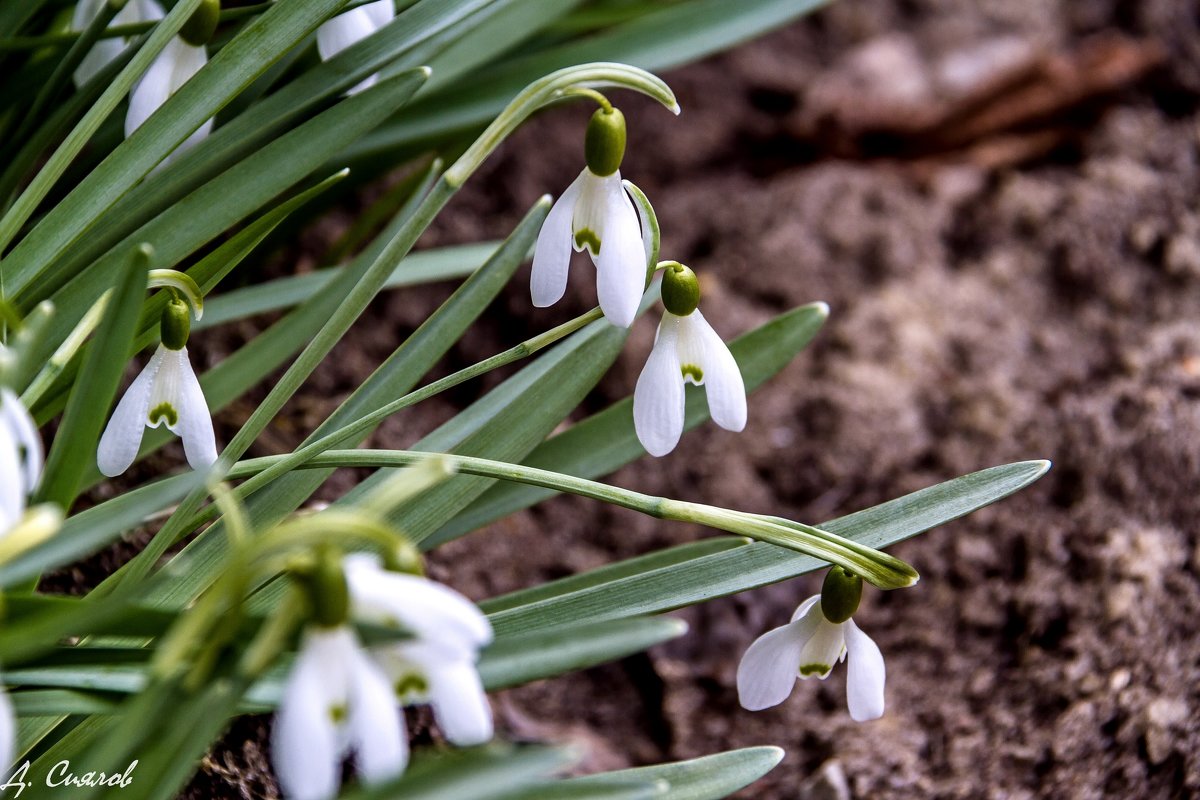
344,699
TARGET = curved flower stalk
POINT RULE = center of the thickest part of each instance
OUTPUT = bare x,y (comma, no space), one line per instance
686,350
183,56
351,27
166,391
595,214
820,635
341,699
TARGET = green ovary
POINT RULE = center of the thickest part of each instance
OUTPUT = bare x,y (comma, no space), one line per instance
693,372
163,411
586,237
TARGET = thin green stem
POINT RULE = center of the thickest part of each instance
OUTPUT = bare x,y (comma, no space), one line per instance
590,94
877,567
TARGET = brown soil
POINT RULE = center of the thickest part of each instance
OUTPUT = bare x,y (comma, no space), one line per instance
999,202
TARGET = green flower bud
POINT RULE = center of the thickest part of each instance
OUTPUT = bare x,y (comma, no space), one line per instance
404,557
327,589
680,289
840,594
175,324
202,24
604,144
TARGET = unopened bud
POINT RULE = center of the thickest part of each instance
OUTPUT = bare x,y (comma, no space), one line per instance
604,144
175,324
680,289
202,24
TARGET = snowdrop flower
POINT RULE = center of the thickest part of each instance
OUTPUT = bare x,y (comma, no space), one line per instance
595,213
20,459
820,634
686,349
438,665
166,391
183,56
337,701
353,26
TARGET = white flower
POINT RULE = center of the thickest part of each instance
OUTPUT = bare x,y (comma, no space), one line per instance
337,701
353,26
172,68
594,213
685,349
808,647
166,391
8,729
437,666
106,50
20,459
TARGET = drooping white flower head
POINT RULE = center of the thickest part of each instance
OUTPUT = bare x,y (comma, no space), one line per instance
808,647
337,702
438,665
172,68
166,391
353,26
105,51
686,349
596,214
20,459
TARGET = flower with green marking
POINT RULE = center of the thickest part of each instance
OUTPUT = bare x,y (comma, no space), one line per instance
166,391
438,665
351,27
595,214
337,701
686,350
174,66
820,635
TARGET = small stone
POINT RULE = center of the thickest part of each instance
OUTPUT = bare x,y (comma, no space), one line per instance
1119,679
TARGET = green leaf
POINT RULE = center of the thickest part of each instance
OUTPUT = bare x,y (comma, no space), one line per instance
758,564
492,772
75,443
607,441
425,266
708,778
522,658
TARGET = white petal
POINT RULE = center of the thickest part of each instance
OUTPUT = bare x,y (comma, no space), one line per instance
865,675
433,612
767,672
344,30
376,725
825,648
171,69
805,608
460,703
304,739
123,436
587,222
106,50
552,255
621,264
25,433
658,396
8,730
12,498
100,56
381,12
195,426
722,378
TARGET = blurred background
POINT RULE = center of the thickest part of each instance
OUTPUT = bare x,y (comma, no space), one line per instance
1000,201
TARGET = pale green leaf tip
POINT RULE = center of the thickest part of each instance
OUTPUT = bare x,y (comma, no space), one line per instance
821,308
676,627
1043,465
544,201
426,71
